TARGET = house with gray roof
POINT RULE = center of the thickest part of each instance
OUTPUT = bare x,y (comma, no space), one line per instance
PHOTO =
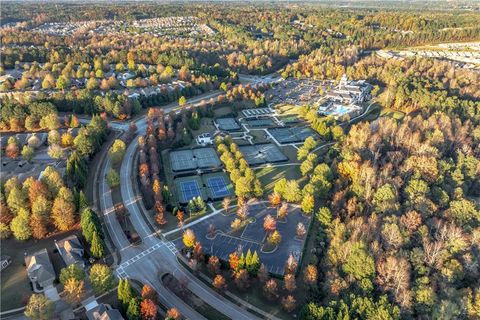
71,250
101,311
40,270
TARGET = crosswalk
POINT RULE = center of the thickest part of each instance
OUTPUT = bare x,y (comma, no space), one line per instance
121,273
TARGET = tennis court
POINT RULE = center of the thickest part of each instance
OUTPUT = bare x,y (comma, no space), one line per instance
256,112
203,158
182,160
188,188
206,158
262,153
292,134
218,185
260,122
227,124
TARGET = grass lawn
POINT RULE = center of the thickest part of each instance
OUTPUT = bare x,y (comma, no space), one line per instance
288,110
395,114
269,175
15,286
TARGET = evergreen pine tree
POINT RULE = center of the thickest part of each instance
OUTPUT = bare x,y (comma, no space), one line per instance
248,259
241,262
124,292
90,224
254,264
133,310
97,248
82,201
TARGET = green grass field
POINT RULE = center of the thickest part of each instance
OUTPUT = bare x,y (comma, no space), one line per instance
395,114
269,175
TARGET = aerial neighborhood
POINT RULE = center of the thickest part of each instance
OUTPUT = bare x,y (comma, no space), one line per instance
272,160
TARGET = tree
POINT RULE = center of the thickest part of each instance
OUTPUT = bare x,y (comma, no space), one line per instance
292,191
148,310
275,199
252,263
274,238
133,310
83,204
219,282
300,230
17,200
182,101
291,264
269,224
271,289
189,238
308,204
124,292
226,204
173,314
62,83
359,263
149,293
324,216
74,291
12,150
66,140
97,247
214,264
263,274
56,152
463,211
289,303
117,151
63,214
53,179
90,224
71,272
241,279
234,261
289,282
113,178
101,278
282,212
39,307
27,153
310,275
20,226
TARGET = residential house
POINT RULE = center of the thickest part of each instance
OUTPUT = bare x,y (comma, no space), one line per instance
102,311
71,251
40,270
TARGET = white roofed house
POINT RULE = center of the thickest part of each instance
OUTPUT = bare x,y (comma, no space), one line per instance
71,251
40,270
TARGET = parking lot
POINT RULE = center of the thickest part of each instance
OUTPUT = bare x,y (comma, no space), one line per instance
253,236
297,91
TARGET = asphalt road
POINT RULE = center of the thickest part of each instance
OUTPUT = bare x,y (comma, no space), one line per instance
154,256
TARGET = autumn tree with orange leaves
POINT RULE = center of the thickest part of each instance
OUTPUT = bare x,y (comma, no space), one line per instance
219,282
173,314
148,309
269,224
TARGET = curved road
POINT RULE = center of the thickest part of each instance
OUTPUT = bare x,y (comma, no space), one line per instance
155,257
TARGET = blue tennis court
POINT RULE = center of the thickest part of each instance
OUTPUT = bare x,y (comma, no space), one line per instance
190,190
218,187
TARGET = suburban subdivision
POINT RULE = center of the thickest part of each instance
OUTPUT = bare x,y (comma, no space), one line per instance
240,160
